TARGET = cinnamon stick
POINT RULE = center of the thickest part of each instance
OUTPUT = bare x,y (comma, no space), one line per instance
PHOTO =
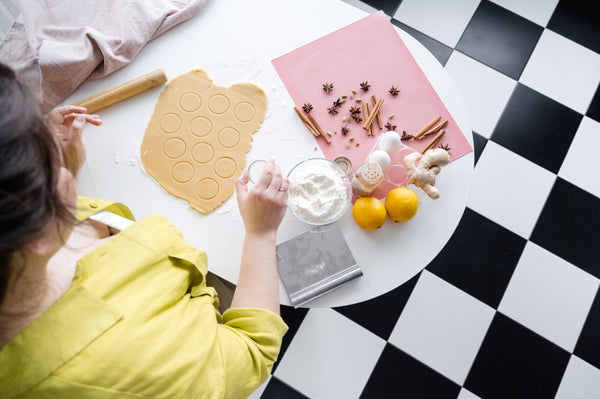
317,127
367,115
427,127
433,130
434,141
379,123
306,122
376,108
123,91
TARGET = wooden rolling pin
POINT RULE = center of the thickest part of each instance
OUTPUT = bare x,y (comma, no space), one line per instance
123,91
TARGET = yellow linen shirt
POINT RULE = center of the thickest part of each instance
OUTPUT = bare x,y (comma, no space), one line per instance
139,321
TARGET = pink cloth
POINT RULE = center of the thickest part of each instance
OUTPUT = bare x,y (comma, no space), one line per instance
61,43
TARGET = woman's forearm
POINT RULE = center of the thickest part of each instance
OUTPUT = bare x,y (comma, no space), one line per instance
258,283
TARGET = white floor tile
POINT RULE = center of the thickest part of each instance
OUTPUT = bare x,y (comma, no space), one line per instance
464,394
579,165
549,296
259,391
330,356
484,90
509,189
442,327
537,11
6,20
581,380
443,20
563,70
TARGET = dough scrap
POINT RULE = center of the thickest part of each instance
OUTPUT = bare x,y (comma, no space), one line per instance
196,142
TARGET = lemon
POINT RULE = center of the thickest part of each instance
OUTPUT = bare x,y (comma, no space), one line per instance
401,204
369,213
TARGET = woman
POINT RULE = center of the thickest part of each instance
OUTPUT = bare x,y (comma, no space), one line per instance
89,312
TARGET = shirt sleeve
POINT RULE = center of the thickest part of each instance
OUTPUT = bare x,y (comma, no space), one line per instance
88,206
250,340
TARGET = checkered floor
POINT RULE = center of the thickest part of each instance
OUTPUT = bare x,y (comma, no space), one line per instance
510,308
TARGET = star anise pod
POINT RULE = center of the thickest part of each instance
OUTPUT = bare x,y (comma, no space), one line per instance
332,110
356,118
354,110
389,126
345,130
394,91
365,86
307,107
327,87
445,147
338,103
406,136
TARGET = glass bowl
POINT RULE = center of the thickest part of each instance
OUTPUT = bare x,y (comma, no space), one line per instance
320,191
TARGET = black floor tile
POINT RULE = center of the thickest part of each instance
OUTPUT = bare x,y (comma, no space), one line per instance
387,6
499,38
379,315
279,390
479,258
514,362
293,318
569,226
479,143
398,375
579,20
587,346
537,128
594,109
439,50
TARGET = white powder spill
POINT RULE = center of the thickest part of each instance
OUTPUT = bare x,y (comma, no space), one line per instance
317,193
130,156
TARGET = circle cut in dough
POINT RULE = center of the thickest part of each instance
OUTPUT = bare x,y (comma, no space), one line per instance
200,126
183,172
207,188
218,104
229,137
225,167
170,123
244,111
174,148
190,102
202,152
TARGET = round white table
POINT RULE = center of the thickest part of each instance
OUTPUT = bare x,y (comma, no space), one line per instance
234,41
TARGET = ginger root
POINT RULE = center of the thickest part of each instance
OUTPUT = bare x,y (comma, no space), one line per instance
429,165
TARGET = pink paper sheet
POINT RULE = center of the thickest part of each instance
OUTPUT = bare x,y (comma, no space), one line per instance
367,50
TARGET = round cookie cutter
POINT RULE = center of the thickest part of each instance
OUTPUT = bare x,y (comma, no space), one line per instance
255,168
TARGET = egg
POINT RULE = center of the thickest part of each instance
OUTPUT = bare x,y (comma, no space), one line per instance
390,142
380,157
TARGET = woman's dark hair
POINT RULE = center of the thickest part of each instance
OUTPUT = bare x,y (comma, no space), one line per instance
29,168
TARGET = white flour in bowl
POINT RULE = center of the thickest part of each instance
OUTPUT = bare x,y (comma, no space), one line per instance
317,193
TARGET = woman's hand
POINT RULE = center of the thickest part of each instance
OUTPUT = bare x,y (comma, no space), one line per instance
263,206
67,124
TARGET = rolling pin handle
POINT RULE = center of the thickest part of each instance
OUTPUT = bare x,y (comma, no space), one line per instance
123,91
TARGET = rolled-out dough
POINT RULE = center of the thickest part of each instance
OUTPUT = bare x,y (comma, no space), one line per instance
196,142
